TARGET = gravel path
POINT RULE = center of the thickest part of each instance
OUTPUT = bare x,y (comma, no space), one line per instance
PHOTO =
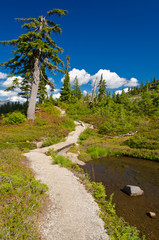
72,213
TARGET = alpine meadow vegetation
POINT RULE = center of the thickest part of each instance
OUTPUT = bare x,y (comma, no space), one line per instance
22,197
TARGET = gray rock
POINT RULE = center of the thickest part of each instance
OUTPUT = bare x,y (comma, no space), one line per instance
133,190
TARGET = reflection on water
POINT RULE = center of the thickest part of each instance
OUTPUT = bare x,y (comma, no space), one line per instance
115,173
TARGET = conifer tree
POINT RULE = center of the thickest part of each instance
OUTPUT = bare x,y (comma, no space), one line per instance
154,80
76,89
102,89
34,49
66,89
25,87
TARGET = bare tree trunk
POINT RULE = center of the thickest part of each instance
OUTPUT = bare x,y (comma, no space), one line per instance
93,94
34,90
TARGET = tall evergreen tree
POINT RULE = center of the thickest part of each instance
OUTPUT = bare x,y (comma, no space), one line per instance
102,89
34,49
66,89
76,89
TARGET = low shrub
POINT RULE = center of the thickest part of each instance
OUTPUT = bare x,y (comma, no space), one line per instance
51,109
96,151
98,191
65,162
141,142
14,118
83,156
115,127
52,140
77,110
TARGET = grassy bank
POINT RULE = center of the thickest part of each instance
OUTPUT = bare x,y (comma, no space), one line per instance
21,196
104,145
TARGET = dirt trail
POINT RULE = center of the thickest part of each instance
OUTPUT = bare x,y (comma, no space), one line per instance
72,213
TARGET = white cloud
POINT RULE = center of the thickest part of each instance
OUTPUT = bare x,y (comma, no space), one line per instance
11,96
56,90
120,91
133,82
82,75
49,92
17,99
85,92
3,75
56,96
7,93
9,81
113,80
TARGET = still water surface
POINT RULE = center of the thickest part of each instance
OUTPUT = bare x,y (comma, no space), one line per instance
115,173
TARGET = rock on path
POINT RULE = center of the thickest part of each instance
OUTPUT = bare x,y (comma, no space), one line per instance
72,213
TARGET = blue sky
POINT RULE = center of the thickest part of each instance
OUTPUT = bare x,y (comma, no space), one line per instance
116,38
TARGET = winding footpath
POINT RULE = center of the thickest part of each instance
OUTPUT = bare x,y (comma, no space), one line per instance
72,213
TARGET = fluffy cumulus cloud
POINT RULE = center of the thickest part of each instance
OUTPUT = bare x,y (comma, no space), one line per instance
3,75
17,99
11,96
120,91
133,82
7,93
49,92
56,96
82,75
9,81
85,92
112,79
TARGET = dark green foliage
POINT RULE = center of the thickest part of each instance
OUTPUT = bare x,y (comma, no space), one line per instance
77,109
117,127
102,89
76,89
140,141
66,89
13,106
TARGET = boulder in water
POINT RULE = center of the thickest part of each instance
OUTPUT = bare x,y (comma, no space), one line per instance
151,214
133,190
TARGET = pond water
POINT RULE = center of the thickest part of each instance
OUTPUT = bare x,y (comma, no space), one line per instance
116,172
